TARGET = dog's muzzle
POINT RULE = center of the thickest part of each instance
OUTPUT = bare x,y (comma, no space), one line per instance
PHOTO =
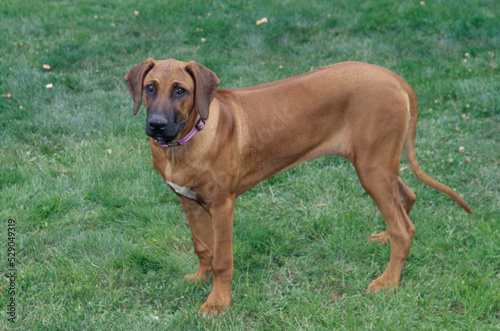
162,130
168,142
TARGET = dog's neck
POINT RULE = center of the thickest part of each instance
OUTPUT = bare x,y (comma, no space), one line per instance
189,127
199,143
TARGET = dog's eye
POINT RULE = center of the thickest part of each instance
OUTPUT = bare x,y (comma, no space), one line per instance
150,88
180,91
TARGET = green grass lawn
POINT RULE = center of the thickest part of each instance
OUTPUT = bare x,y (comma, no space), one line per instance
102,243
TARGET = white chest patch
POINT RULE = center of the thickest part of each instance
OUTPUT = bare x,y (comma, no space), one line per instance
182,190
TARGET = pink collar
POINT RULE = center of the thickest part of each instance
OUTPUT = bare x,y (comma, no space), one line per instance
197,127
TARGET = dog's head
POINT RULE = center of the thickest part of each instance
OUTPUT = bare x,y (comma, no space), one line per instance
173,91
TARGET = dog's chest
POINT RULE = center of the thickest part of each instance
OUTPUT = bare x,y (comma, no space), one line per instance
182,190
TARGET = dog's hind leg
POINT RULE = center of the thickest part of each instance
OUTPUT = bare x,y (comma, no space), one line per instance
406,195
382,185
407,198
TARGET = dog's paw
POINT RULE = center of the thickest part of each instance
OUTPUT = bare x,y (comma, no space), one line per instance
213,308
381,238
382,283
196,278
192,278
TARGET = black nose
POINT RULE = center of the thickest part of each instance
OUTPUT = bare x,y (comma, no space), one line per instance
157,125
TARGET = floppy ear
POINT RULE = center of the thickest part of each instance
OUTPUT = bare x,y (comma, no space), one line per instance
206,83
135,79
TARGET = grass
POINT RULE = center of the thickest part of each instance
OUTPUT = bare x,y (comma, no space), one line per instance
103,244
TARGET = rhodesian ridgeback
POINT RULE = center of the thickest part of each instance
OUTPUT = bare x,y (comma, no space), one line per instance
212,145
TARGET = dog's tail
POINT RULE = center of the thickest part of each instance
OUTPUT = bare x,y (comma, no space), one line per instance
411,156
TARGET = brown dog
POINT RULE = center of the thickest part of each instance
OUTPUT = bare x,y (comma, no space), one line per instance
212,145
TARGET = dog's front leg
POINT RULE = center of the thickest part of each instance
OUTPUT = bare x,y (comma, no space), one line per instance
219,298
200,222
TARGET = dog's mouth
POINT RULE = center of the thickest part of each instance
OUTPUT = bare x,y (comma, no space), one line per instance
166,141
161,143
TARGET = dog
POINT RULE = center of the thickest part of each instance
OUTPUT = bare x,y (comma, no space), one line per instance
210,145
